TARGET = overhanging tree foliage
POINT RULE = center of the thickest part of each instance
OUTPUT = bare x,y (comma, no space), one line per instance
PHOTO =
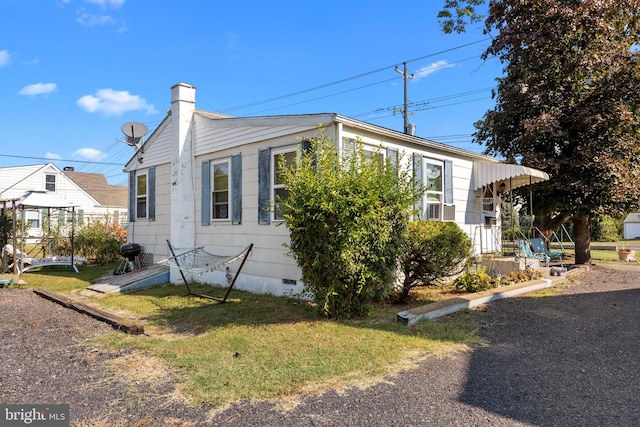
346,221
568,103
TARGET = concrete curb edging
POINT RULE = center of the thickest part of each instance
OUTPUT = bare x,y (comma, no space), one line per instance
451,305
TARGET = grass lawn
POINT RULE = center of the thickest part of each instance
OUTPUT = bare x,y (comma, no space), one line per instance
264,347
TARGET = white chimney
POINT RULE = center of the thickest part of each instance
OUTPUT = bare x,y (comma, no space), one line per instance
183,105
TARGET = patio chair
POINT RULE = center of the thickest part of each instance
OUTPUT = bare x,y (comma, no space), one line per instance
539,247
525,248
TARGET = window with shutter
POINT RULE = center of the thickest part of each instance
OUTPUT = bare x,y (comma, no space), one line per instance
434,190
141,195
220,187
282,161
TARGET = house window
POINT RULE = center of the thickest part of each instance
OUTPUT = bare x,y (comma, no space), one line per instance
34,223
50,182
141,196
374,156
434,190
220,190
282,161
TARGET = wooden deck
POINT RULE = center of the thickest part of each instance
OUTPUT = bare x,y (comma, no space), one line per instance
150,276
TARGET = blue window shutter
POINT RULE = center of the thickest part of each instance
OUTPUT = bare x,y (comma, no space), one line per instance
264,186
392,155
418,179
306,146
206,193
151,193
132,196
236,189
448,181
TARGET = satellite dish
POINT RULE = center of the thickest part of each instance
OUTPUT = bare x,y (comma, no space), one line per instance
134,131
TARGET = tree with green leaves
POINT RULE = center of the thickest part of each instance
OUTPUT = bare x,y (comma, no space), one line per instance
347,220
568,102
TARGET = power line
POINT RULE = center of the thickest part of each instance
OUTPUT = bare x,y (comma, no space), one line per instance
300,92
59,160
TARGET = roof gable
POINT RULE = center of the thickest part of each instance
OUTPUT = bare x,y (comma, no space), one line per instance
96,185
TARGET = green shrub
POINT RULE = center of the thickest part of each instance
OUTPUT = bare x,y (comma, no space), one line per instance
481,281
434,250
520,276
475,282
94,240
347,220
605,228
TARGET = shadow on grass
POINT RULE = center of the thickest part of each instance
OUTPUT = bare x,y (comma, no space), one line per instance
173,311
568,360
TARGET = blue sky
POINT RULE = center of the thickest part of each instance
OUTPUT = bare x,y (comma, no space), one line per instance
73,71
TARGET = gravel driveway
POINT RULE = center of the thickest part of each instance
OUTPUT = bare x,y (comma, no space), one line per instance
567,360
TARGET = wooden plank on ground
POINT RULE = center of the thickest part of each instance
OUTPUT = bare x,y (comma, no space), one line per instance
116,321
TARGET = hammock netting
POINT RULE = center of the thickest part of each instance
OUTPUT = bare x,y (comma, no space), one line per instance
198,261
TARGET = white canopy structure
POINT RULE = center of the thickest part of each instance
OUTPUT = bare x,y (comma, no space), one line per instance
513,176
43,199
38,200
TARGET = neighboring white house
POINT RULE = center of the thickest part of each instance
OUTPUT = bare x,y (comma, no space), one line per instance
89,192
632,226
205,179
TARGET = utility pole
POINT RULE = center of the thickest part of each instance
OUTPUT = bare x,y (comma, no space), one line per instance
405,111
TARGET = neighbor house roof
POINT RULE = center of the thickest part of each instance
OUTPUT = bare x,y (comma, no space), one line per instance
96,185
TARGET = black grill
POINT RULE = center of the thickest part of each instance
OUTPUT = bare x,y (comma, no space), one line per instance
130,251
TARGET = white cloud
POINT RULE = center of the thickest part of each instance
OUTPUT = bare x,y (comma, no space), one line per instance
5,58
431,68
91,20
113,4
114,103
89,154
52,156
38,89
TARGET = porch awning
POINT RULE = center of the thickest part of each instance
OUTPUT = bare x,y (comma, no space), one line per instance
513,176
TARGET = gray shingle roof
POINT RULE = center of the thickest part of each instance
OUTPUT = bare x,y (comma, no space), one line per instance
96,185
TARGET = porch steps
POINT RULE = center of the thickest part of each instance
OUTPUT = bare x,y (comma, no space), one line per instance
143,278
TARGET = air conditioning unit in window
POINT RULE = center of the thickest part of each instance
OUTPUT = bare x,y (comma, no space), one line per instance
449,213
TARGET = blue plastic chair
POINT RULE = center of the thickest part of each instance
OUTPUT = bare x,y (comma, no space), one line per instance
539,247
525,248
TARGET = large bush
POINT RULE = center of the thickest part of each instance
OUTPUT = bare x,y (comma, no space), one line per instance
97,239
434,250
346,220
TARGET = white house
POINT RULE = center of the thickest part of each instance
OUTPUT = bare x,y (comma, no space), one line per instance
89,192
206,179
632,226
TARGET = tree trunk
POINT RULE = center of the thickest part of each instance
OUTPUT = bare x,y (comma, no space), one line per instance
582,238
548,224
